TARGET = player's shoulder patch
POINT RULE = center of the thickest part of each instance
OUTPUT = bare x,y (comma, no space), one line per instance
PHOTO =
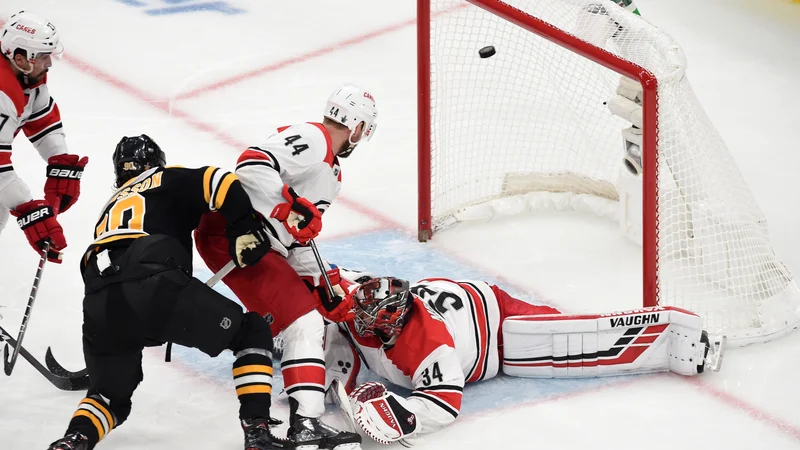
9,85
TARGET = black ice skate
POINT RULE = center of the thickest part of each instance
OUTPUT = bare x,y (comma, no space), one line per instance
257,436
72,441
312,434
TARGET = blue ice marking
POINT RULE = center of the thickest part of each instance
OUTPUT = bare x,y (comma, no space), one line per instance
391,253
222,7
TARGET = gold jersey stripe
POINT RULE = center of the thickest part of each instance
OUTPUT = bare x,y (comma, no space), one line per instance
222,191
118,237
207,183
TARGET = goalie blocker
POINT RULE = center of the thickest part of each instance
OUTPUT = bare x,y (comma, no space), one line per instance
641,341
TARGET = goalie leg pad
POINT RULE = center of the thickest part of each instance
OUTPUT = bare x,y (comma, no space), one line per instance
642,341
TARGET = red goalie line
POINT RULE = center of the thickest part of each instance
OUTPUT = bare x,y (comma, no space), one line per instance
741,405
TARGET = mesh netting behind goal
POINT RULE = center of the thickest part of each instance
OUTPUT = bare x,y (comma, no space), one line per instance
533,119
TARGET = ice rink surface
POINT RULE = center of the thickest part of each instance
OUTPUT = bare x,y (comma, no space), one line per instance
206,84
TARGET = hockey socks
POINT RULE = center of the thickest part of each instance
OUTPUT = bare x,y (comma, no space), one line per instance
93,419
252,375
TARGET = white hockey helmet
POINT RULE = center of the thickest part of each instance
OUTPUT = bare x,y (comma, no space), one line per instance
350,105
27,31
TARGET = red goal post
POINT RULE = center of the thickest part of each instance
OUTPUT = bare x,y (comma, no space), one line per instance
447,75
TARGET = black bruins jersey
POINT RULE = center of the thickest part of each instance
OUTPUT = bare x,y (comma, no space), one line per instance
169,201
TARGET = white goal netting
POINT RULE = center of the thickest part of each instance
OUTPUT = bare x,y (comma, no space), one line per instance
533,119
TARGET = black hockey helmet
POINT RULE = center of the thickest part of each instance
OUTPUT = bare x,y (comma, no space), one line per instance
135,155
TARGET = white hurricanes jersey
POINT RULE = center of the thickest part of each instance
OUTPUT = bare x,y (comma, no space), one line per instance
33,112
449,339
300,156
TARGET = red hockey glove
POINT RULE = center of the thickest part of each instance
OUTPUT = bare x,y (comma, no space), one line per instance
300,217
39,225
63,185
340,307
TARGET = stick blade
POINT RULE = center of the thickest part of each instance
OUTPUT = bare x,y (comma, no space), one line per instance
57,369
6,361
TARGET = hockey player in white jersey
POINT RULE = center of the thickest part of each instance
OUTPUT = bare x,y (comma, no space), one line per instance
291,179
28,45
437,335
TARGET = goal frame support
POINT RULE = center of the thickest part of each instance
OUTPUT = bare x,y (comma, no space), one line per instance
596,54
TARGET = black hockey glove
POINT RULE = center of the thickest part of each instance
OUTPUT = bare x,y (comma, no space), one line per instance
248,241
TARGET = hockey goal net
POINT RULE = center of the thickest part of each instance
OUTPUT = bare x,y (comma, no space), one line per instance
531,122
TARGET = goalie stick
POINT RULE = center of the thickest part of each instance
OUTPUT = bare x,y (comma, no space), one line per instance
66,381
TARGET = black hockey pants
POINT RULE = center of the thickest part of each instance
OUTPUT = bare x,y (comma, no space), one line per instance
146,298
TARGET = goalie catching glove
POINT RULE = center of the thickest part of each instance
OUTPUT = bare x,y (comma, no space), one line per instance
248,241
301,218
382,415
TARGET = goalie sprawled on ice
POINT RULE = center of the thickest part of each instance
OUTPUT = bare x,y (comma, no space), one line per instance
438,334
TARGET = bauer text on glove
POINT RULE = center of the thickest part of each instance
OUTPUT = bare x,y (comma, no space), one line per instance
63,185
37,221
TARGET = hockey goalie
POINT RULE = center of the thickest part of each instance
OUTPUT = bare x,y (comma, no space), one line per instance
437,335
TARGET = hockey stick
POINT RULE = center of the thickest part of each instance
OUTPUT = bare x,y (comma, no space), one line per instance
8,364
339,395
217,277
76,381
322,269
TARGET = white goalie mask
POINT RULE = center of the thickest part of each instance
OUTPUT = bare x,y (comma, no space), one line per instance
28,32
350,105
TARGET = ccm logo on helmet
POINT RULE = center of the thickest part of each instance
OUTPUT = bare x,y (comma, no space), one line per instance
369,96
65,173
26,29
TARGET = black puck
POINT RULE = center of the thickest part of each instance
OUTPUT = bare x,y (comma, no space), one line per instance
487,51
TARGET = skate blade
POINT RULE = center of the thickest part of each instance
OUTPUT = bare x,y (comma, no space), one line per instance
714,359
351,446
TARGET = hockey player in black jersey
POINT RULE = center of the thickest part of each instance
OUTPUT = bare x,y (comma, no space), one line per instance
139,291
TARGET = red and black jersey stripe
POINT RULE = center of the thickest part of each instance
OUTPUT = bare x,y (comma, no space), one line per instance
255,156
483,333
446,397
5,158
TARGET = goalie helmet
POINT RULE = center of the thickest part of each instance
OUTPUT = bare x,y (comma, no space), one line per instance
381,307
134,155
350,105
28,32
